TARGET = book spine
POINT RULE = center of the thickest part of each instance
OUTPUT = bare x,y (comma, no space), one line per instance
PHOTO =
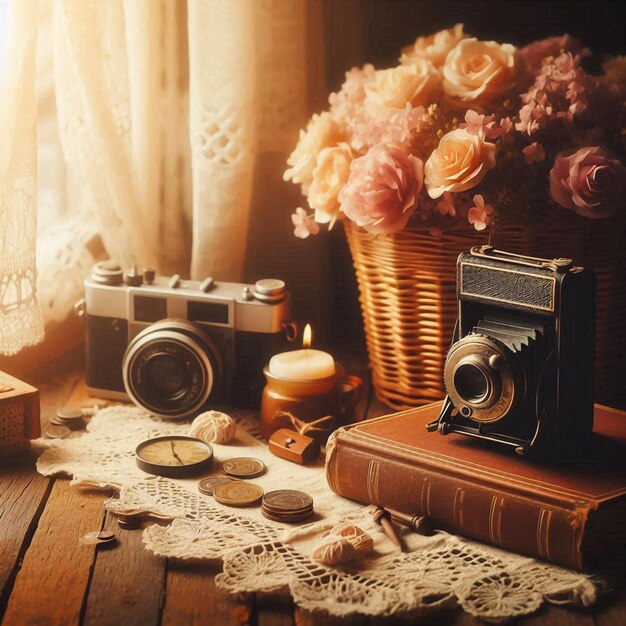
455,504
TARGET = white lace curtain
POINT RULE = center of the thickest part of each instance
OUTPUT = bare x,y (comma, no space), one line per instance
153,115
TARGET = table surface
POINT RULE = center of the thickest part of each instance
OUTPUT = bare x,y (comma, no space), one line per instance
48,577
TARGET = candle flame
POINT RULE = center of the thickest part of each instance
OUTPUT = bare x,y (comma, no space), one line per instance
307,336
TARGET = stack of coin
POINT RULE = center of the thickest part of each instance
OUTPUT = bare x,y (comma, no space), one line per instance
237,493
243,467
70,417
287,505
207,485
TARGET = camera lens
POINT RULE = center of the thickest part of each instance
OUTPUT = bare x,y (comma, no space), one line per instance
170,368
471,383
167,375
480,376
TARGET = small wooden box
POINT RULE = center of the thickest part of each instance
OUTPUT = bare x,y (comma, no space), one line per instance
290,445
19,415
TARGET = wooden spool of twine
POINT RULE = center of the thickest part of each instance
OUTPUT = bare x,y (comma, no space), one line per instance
407,284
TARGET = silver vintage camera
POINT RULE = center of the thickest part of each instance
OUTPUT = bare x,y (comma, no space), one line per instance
172,345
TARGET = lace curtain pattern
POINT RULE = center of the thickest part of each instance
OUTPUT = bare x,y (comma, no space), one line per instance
20,316
154,123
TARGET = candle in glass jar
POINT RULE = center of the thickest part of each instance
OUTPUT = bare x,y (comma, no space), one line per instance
305,364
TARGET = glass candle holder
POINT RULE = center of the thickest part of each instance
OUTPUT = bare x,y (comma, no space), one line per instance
313,407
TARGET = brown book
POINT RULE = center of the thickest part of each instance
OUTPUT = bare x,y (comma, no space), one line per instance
572,514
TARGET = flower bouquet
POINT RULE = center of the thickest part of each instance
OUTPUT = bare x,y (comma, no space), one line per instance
463,136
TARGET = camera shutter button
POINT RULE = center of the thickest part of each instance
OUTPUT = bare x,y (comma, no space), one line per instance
132,278
207,284
107,273
269,286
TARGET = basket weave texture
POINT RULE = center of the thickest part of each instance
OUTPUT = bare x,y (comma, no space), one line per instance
407,284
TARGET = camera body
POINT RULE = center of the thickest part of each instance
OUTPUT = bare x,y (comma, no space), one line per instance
520,368
171,345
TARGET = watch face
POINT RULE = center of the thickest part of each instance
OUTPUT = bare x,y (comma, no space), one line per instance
174,456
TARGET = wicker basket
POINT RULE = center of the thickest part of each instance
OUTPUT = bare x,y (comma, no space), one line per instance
407,293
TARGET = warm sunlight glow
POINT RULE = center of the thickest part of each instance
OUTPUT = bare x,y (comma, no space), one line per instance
307,336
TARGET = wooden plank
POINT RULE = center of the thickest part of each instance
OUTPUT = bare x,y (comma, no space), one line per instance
557,616
274,609
127,585
612,610
23,494
51,584
192,599
315,618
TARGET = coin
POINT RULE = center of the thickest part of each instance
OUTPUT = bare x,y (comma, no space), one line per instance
243,467
98,536
57,432
287,505
69,413
237,493
287,520
129,522
206,485
287,501
74,424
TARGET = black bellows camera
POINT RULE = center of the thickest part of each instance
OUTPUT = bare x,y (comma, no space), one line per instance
520,367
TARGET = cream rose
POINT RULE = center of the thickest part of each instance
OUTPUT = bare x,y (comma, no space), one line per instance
329,176
417,84
321,132
478,73
458,163
433,48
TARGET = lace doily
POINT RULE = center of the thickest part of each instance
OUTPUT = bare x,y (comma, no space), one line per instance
435,573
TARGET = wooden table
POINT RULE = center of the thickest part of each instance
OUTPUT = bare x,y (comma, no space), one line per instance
47,577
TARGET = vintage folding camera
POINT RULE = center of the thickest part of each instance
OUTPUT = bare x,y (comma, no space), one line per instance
520,367
172,345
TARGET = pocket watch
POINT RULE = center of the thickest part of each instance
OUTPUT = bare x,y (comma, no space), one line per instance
174,456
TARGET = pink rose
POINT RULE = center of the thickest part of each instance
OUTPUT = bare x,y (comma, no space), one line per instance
417,84
433,48
479,73
589,181
458,163
329,176
383,188
321,132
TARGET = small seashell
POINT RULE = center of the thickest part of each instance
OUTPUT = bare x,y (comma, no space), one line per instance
360,540
333,550
214,427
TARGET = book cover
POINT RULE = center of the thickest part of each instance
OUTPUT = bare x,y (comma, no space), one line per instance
572,514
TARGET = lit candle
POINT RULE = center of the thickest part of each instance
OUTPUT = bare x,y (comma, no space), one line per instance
306,364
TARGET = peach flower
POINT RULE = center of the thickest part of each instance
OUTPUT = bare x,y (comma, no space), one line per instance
304,224
417,84
480,214
589,181
383,189
433,48
329,176
479,73
321,132
458,163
